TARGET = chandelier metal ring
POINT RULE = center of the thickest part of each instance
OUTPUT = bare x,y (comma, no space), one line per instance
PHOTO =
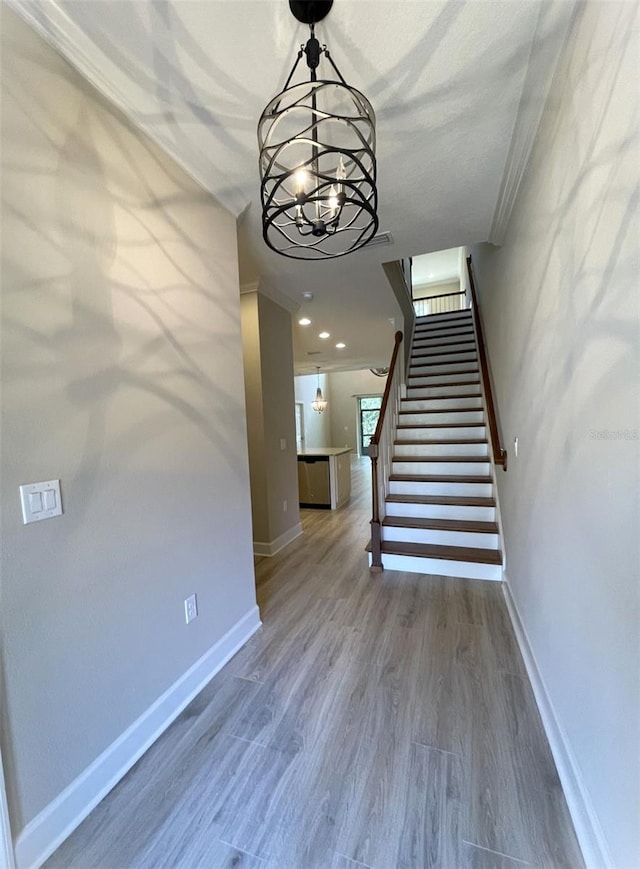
317,143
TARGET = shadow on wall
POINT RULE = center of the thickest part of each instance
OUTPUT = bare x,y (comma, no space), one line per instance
87,353
122,375
593,299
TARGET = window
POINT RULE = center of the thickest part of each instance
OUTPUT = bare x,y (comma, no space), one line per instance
368,413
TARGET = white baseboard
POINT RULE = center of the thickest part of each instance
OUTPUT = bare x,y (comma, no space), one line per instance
279,543
587,826
52,825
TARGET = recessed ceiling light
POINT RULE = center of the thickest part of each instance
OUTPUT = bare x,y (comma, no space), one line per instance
305,321
307,296
340,345
324,335
430,274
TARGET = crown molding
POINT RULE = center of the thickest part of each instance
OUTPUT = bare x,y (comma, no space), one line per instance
270,293
52,23
552,31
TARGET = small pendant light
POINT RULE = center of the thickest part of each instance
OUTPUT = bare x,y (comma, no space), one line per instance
319,403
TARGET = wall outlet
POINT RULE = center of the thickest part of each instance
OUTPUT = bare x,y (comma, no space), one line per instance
191,608
283,444
515,446
284,506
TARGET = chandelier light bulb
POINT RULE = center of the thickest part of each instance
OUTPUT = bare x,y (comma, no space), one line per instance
300,182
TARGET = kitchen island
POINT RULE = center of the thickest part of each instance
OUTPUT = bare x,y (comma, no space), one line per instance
324,477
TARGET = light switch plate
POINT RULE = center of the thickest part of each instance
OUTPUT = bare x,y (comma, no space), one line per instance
40,501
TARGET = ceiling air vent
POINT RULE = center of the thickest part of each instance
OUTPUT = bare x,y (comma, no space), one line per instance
381,238
314,352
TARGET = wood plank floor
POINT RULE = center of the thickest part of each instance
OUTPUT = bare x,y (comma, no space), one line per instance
375,720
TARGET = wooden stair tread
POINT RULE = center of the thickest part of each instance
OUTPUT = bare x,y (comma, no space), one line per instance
477,459
441,425
459,325
445,397
442,441
444,316
433,352
446,373
441,524
445,500
453,383
455,332
440,478
447,362
443,410
460,329
447,553
446,332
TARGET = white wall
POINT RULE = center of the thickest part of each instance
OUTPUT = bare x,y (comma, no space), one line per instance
560,306
346,386
317,426
122,376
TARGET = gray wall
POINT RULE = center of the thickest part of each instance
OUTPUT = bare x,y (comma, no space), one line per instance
345,387
250,319
268,360
560,306
122,376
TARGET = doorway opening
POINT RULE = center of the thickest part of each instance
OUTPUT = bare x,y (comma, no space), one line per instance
368,413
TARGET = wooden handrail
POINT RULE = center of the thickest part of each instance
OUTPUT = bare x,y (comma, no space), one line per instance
441,296
499,454
387,389
376,533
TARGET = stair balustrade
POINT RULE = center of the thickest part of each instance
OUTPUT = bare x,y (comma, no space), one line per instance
441,304
381,449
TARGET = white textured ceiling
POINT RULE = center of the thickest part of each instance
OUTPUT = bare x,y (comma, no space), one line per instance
446,80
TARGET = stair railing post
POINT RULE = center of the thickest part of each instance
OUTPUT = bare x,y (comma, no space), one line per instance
376,536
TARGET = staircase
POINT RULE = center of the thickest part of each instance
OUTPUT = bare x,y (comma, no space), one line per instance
440,505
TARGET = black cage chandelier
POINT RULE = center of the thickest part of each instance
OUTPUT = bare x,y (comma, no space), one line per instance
317,158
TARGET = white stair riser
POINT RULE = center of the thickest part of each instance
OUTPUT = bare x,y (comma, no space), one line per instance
476,469
477,431
422,379
461,389
440,567
475,490
441,511
429,403
424,449
450,416
446,368
441,538
444,358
